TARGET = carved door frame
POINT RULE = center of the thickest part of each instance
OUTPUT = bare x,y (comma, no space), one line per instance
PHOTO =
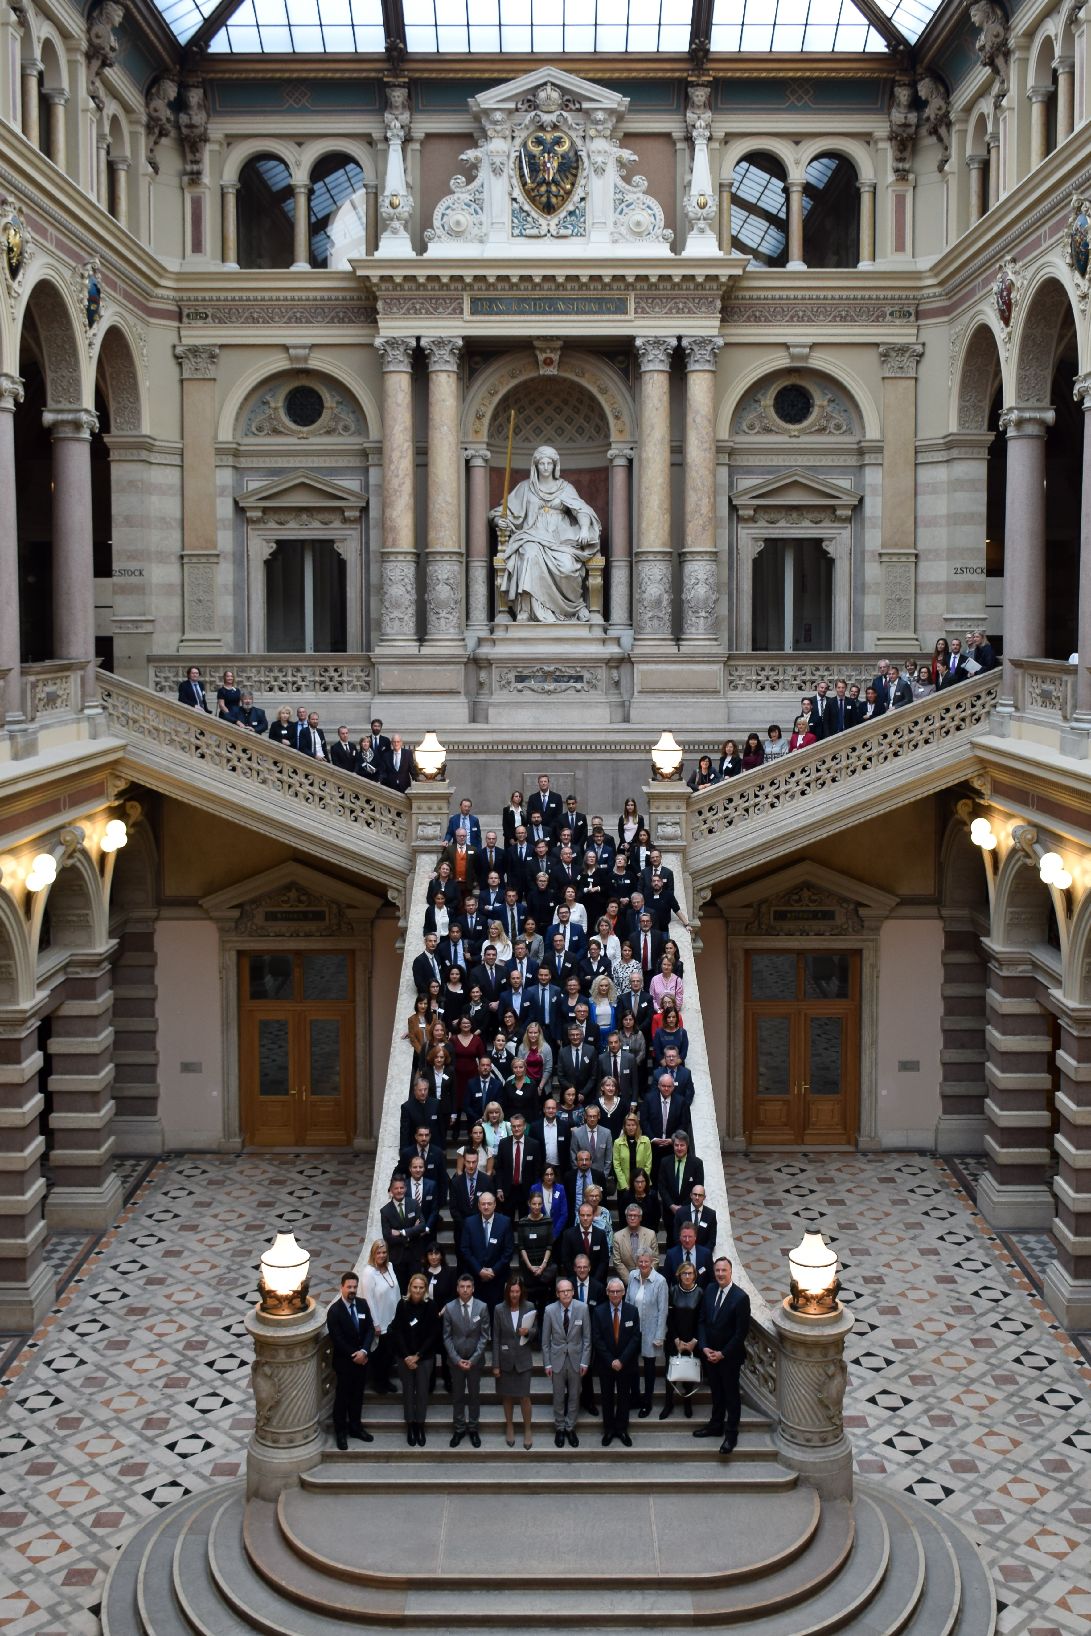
836,538
303,506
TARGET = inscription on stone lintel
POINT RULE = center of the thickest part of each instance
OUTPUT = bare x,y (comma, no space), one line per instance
785,917
547,306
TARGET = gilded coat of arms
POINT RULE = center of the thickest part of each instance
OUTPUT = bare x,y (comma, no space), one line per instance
14,239
548,167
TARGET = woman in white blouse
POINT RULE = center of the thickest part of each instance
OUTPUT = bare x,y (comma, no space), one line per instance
495,1127
611,943
379,1288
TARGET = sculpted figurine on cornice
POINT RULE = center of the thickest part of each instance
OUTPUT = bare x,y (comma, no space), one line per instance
992,40
193,127
102,45
936,118
903,126
159,115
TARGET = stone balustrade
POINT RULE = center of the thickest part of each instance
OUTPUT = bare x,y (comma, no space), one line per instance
277,678
1045,689
53,689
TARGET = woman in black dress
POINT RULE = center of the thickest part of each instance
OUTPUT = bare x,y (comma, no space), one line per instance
643,1194
413,1336
534,1241
441,1289
228,696
681,1342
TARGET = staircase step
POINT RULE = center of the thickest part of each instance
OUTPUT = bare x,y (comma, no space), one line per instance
119,1615
959,1599
156,1608
358,1536
660,1453
898,1598
255,1571
516,1470
201,1608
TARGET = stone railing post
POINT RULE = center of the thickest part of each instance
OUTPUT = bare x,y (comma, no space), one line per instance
811,1379
287,1381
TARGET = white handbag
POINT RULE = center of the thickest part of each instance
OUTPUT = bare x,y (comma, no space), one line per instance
683,1371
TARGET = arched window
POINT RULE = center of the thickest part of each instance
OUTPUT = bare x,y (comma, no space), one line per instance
334,180
759,211
831,213
266,207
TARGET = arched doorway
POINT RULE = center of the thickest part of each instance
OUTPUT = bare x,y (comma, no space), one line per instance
977,482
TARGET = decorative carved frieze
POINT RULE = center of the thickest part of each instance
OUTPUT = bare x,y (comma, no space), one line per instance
268,677
251,312
548,679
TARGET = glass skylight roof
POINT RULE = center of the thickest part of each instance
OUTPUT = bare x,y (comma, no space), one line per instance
547,27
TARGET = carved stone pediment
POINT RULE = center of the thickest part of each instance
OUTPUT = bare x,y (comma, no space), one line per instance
302,500
806,900
795,492
292,900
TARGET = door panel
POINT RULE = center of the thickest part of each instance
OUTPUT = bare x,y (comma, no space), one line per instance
272,1078
801,1060
297,1029
328,1080
772,1055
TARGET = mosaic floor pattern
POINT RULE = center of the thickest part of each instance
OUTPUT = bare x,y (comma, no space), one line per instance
136,1390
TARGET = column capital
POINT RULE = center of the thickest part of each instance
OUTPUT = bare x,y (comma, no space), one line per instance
122,162
1081,389
11,393
1039,93
70,423
442,351
795,184
700,351
199,363
1020,421
56,95
976,161
1064,65
655,352
229,187
103,143
620,454
900,360
30,68
866,186
301,187
396,352
476,457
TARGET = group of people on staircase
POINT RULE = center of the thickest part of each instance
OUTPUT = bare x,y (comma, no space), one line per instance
549,1128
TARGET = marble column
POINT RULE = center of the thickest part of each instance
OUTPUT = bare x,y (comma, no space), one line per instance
119,191
976,164
477,541
11,393
621,540
1038,96
102,171
794,189
301,226
1066,97
73,553
229,245
1025,540
1015,1190
867,224
200,538
993,145
31,74
27,1285
700,585
58,129
86,1192
399,547
1067,1287
1081,391
443,599
652,610
725,217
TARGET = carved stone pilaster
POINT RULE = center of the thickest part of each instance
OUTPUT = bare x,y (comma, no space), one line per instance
899,361
652,613
399,594
200,570
443,596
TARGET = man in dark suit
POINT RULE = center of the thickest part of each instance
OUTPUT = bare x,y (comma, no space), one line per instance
602,845
310,740
491,855
655,866
573,936
418,1110
683,1079
522,963
433,1157
615,1331
679,1172
490,978
551,1133
721,1340
465,819
899,689
575,820
619,1065
584,1238
561,966
518,1163
352,1336
545,805
839,711
688,1249
661,904
343,753
512,998
402,1227
663,1112
486,1086
247,714
647,941
486,1247
192,692
869,707
640,1003
820,710
462,1194
956,669
423,1196
452,951
575,1064
378,740
427,967
397,766
698,1215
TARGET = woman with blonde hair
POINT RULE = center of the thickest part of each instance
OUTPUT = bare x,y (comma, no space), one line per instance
632,1154
380,1289
666,982
538,1056
283,729
414,1332
604,1004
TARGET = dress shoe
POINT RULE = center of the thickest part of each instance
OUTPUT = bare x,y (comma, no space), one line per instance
626,1440
573,1440
510,1441
456,1439
644,1411
687,1409
558,1439
607,1440
421,1439
728,1445
590,1408
360,1434
709,1431
665,1414
411,1436
528,1441
342,1443
475,1440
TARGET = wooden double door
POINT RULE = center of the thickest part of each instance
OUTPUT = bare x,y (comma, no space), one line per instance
297,1028
802,1053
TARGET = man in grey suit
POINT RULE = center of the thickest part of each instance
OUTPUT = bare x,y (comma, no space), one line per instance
597,1141
632,1241
566,1354
466,1336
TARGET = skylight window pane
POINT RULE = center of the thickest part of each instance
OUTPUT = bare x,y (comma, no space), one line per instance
579,36
548,36
608,11
674,37
452,37
756,37
788,37
610,37
819,37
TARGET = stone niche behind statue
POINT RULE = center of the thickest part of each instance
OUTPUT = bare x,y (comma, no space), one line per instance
548,537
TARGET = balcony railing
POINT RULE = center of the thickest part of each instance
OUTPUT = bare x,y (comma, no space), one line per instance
1045,689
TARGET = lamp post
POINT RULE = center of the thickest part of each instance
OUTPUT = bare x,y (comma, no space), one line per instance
667,758
287,1374
812,1327
430,759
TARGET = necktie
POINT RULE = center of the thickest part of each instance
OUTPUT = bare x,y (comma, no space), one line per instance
473,1188
688,1259
587,1244
646,956
566,1323
615,1073
545,1007
617,1324
355,1315
417,1193
678,1174
720,1300
466,1311
583,1292
635,1239
435,969
401,1213
517,1169
488,1234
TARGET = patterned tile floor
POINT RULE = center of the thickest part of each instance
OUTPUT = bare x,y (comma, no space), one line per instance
136,1390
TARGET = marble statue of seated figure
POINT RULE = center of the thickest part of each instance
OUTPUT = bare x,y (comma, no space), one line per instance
551,535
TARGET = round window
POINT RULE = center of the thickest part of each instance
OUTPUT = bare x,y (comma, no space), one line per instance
793,404
304,406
